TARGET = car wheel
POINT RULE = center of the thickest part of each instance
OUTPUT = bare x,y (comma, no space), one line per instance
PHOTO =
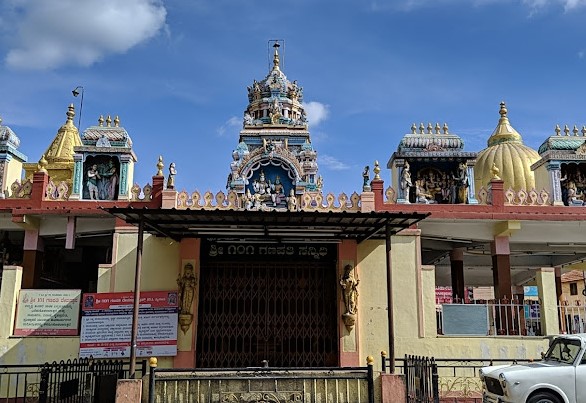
544,397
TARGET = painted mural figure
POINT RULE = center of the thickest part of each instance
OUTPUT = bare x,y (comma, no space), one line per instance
186,285
349,284
92,182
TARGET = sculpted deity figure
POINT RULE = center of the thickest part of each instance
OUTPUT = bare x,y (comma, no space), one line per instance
186,285
366,178
421,196
92,182
406,183
171,177
461,182
320,182
292,201
248,200
275,111
278,192
349,284
247,118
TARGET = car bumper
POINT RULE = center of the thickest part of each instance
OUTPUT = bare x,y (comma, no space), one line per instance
490,398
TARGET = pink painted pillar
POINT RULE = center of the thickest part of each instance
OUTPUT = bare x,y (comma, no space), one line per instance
186,339
348,339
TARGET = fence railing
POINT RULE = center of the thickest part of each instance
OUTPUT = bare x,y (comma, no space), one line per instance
64,381
266,384
490,318
572,317
454,379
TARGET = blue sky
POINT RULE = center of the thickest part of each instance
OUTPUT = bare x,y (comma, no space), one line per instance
176,73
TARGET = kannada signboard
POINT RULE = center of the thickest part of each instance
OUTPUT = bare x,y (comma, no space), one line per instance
106,324
47,313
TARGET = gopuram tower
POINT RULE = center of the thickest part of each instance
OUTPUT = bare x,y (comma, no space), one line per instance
274,160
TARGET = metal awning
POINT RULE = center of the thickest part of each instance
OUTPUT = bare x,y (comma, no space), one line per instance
282,226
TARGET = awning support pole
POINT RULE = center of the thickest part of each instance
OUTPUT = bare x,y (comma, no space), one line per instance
136,306
390,305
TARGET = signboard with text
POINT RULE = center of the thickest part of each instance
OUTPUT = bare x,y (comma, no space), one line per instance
106,324
47,313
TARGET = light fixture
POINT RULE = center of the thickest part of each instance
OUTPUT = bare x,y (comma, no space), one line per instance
76,91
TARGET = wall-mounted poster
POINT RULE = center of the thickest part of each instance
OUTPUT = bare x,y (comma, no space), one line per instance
47,313
106,324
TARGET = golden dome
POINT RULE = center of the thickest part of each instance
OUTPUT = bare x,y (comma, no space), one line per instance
61,149
507,153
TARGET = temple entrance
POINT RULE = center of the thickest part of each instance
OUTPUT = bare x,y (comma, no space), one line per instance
284,312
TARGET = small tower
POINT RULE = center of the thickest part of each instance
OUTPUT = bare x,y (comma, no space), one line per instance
59,154
274,154
11,159
104,163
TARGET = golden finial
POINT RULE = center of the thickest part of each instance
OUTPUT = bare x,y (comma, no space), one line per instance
503,111
583,129
445,128
495,172
0,120
43,164
376,170
575,130
370,360
421,128
437,128
153,362
101,121
566,130
413,128
429,128
557,130
276,60
383,353
160,166
116,121
70,113
108,121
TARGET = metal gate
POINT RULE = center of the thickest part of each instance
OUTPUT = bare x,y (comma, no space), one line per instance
283,313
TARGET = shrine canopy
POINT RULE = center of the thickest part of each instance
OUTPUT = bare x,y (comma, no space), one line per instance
274,226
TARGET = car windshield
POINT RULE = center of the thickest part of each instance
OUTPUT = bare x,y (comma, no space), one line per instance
563,350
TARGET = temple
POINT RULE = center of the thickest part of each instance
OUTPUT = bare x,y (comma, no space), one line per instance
444,244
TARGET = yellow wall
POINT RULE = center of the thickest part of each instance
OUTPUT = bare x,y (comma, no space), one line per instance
160,268
160,262
414,310
13,173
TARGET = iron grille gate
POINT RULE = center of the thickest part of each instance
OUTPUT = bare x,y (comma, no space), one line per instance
282,312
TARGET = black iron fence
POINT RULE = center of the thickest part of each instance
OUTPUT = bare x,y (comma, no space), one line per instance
446,380
64,381
266,384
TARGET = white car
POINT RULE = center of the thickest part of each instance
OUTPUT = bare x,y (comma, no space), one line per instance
560,377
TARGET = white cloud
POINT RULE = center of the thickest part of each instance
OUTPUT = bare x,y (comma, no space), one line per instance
231,124
51,34
332,163
316,112
534,5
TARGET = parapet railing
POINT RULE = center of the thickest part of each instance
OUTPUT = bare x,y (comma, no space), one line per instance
308,385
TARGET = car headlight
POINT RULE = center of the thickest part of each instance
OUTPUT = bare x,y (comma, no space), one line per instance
503,380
